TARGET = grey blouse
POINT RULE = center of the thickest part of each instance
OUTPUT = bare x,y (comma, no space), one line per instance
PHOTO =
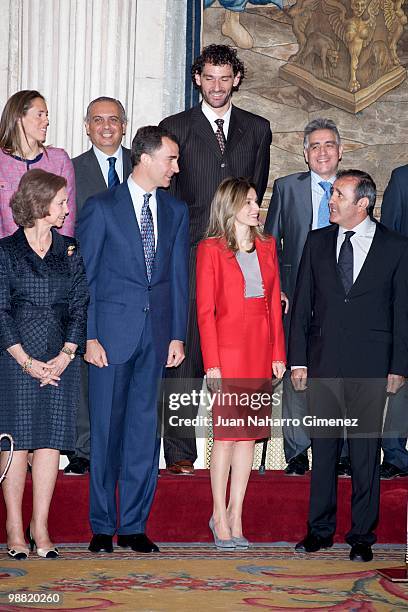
249,264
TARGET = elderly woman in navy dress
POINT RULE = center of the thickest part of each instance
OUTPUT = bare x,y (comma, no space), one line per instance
43,304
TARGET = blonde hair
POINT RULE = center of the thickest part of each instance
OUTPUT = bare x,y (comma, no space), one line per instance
228,200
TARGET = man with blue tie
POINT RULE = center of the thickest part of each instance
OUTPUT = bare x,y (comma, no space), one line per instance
135,244
299,204
105,165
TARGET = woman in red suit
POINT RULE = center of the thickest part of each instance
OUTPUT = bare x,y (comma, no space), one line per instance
240,322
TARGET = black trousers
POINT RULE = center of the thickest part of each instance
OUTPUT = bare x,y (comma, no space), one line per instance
188,376
363,400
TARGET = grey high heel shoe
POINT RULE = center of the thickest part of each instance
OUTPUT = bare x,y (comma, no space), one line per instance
240,542
220,544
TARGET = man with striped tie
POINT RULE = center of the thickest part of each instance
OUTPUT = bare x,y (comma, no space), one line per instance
217,140
299,204
134,241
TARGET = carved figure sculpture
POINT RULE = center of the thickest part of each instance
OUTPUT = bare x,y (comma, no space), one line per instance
355,32
325,48
301,14
395,19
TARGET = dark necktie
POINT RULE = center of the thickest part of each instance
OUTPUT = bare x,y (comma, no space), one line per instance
323,214
113,178
147,232
220,134
345,262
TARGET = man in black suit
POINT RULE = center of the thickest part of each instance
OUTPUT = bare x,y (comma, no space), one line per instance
104,165
217,140
394,214
348,341
299,204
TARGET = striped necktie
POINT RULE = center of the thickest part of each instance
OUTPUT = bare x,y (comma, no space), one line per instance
113,178
147,233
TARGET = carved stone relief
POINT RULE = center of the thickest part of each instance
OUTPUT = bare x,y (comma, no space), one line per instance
347,50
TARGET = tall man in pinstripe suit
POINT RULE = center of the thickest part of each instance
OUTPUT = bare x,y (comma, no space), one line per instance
216,140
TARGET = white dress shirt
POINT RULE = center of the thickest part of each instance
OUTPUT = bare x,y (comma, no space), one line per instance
104,164
361,241
212,116
137,193
317,194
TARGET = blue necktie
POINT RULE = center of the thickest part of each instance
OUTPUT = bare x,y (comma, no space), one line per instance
147,232
324,214
113,178
345,263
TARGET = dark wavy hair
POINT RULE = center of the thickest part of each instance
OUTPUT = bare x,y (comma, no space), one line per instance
36,190
218,55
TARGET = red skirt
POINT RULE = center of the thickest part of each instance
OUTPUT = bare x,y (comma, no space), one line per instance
244,402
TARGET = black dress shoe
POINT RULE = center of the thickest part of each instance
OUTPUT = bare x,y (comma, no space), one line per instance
312,543
77,466
361,552
343,468
297,466
139,542
389,470
101,542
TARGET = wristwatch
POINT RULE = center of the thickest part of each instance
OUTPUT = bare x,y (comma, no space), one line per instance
68,351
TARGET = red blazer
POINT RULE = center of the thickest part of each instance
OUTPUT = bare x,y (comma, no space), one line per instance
220,297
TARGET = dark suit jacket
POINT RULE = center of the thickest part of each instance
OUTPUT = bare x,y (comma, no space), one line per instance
88,175
202,167
364,333
121,295
289,220
394,208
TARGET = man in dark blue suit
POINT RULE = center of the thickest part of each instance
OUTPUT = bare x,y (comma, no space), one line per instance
135,247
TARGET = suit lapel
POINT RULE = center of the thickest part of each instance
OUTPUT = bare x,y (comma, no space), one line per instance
305,198
126,219
236,131
164,224
204,131
375,255
93,170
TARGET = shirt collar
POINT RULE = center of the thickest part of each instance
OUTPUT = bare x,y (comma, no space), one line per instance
102,157
316,179
212,116
365,228
138,192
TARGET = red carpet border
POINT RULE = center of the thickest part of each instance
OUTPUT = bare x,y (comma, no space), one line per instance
275,509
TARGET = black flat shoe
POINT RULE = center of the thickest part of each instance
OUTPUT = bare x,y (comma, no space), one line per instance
297,466
77,466
361,552
312,543
139,542
343,468
101,542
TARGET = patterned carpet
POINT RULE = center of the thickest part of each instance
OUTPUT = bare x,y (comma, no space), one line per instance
197,577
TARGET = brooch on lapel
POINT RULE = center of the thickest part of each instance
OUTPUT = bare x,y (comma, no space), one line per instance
70,250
